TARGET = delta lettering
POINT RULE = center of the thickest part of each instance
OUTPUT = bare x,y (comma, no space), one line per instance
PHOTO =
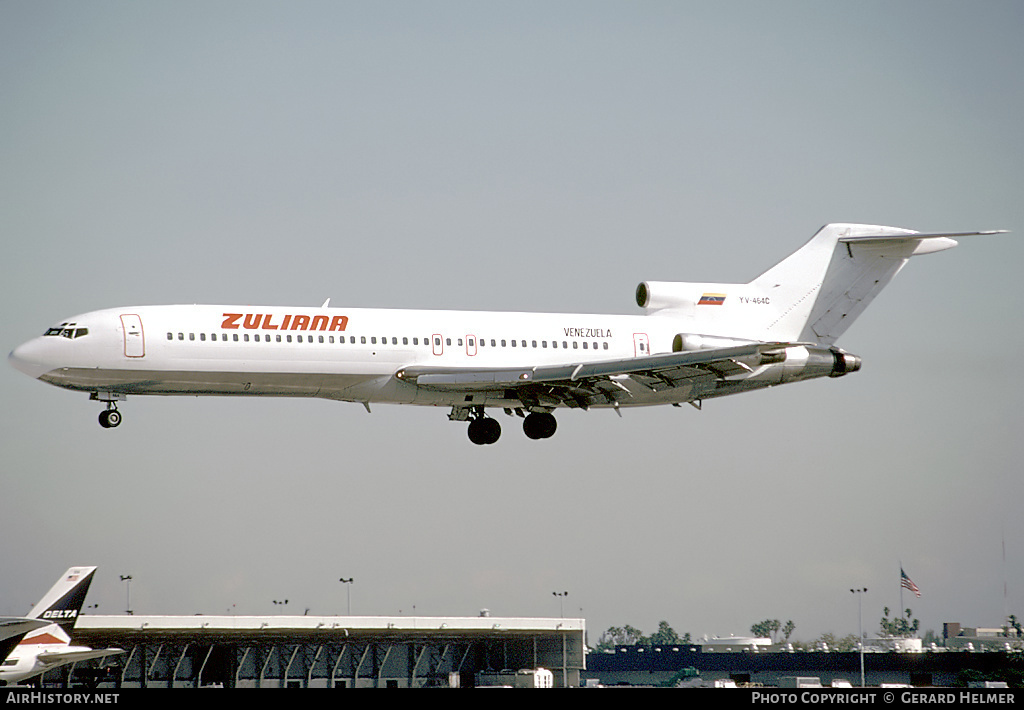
60,614
265,321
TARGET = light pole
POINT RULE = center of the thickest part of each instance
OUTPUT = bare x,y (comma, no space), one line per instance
860,628
348,589
127,579
561,598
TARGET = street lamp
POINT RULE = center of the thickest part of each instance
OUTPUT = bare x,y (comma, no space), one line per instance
348,589
561,598
127,579
860,628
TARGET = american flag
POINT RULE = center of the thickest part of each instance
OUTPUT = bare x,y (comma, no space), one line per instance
907,583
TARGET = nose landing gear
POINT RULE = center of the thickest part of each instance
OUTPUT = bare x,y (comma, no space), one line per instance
110,417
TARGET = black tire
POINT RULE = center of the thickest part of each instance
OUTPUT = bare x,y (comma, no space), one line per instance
105,419
493,430
540,425
478,432
484,431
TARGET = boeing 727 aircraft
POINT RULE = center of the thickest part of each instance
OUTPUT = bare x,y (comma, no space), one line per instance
695,341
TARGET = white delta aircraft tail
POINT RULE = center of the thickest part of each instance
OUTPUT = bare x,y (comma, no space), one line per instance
695,341
50,646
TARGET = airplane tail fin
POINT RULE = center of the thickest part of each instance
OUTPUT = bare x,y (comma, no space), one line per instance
65,598
816,293
812,296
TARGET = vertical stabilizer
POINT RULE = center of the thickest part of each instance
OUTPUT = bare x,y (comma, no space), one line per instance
64,600
818,291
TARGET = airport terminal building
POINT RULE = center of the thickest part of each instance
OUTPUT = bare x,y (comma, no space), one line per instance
328,651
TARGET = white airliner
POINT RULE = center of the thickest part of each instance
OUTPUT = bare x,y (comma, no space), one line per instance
695,341
50,646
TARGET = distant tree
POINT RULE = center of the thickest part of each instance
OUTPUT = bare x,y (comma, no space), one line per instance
788,630
664,635
847,643
1014,623
769,627
619,636
902,626
630,636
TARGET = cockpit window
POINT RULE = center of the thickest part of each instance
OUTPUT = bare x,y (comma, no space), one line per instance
67,330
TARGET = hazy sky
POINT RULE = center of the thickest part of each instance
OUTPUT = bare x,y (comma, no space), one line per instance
518,156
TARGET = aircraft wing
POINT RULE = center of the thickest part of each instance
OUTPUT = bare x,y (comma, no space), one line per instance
58,658
580,385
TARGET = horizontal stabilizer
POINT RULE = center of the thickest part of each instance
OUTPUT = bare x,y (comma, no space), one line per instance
59,658
918,235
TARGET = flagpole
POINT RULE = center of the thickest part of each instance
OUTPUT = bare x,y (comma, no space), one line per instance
902,608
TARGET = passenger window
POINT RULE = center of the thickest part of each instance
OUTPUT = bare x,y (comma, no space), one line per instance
191,336
503,344
234,336
321,338
447,341
170,336
575,345
606,345
460,342
492,343
405,341
534,343
202,337
513,343
181,336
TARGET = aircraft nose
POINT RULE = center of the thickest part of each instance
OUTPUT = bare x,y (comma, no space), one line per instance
28,358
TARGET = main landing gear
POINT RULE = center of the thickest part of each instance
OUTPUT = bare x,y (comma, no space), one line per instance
485,430
540,425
